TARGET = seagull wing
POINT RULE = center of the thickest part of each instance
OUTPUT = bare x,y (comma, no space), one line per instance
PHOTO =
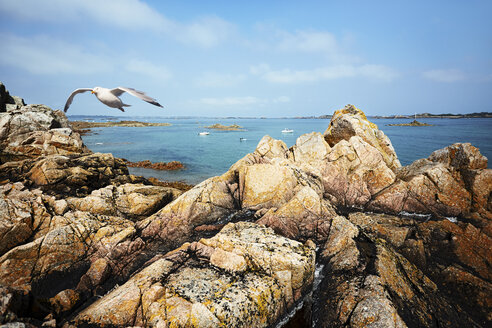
139,94
76,91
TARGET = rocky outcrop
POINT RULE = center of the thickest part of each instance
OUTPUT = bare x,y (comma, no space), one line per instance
351,121
83,243
35,130
245,276
8,102
68,175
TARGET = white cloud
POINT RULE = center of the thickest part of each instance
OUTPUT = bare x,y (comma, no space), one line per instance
206,32
281,99
44,55
312,42
128,14
149,69
123,14
216,80
445,75
285,76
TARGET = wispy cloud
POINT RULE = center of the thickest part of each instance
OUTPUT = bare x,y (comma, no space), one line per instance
445,75
219,80
205,32
122,14
157,72
45,55
285,76
314,42
241,101
128,14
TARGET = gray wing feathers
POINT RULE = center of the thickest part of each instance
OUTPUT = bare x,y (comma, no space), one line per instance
70,99
139,94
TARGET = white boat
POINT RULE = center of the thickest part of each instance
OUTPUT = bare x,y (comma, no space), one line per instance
205,133
287,130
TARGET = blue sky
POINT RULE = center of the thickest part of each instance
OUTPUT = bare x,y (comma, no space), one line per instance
254,58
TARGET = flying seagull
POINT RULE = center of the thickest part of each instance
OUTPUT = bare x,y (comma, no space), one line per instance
110,97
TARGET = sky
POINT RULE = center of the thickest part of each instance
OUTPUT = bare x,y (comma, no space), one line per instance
251,58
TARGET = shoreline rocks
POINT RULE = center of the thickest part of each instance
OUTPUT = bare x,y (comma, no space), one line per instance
82,242
413,123
161,166
218,126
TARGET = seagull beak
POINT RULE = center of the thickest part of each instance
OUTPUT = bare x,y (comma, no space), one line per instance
92,91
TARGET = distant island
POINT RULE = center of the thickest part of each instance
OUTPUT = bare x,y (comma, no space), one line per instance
413,123
428,115
83,127
217,126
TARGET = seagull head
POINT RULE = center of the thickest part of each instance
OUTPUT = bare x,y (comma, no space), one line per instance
95,90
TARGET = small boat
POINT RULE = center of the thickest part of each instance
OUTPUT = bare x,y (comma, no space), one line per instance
205,133
287,130
242,139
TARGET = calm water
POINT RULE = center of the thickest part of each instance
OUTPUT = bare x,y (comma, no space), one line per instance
207,156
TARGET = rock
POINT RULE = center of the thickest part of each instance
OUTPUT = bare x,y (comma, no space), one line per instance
351,121
310,148
354,172
131,201
266,185
340,249
206,203
68,175
306,215
36,130
23,215
393,229
455,256
460,156
8,102
384,290
185,292
68,247
64,301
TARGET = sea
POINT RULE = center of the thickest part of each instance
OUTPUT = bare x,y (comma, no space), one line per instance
210,155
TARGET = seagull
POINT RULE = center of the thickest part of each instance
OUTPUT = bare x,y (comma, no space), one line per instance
110,97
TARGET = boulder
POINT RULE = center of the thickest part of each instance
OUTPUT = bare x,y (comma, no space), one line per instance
351,121
8,102
354,172
131,201
23,215
374,285
245,276
206,203
68,175
452,182
305,216
35,130
455,256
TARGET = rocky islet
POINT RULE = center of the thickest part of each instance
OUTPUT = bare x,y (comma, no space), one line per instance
84,243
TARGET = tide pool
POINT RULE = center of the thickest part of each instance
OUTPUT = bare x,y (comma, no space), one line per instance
205,156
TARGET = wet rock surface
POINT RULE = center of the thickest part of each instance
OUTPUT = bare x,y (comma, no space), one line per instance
83,243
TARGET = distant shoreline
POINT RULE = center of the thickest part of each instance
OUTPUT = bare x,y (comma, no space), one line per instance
74,118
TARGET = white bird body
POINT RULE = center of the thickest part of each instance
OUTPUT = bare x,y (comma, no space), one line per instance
110,97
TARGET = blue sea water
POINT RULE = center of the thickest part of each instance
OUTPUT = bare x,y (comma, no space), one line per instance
213,154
